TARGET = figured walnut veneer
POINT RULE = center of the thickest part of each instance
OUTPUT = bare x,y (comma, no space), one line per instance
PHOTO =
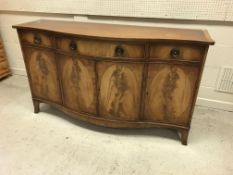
114,75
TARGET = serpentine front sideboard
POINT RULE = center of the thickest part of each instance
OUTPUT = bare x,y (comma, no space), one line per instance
115,75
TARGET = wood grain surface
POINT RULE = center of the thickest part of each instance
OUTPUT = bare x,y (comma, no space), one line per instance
118,31
78,83
170,91
104,75
190,52
120,86
43,73
98,48
28,37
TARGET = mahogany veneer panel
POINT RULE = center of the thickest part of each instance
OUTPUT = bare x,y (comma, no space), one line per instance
120,90
170,91
114,75
78,83
43,75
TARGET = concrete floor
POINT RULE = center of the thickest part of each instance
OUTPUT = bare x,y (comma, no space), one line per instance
50,143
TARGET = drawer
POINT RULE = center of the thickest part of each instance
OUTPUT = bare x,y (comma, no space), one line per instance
98,48
36,38
3,67
177,51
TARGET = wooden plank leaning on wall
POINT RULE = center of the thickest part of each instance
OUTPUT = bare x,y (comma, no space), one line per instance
4,66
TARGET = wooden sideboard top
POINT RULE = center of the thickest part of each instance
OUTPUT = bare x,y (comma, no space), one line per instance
119,31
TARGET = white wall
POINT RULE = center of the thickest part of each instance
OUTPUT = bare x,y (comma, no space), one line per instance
221,10
219,55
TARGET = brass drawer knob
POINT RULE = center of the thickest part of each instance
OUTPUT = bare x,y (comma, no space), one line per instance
175,52
119,51
37,39
73,45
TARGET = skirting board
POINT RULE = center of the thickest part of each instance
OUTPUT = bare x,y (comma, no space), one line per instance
228,106
17,71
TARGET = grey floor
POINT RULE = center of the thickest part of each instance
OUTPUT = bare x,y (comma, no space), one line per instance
50,143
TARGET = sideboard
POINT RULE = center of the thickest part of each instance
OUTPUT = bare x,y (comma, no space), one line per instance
115,76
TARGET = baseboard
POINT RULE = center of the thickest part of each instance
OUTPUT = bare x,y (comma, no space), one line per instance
228,106
17,71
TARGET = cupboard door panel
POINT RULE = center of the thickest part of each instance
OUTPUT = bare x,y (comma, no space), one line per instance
78,82
120,90
43,73
170,91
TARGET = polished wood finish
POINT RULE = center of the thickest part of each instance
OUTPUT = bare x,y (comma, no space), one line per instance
119,88
169,94
36,38
4,67
112,32
36,105
190,52
97,48
78,83
42,69
108,49
113,75
184,136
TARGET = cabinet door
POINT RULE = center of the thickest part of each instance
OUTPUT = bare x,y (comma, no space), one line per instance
42,71
78,83
120,90
170,93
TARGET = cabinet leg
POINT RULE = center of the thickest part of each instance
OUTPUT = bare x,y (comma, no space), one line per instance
184,136
36,106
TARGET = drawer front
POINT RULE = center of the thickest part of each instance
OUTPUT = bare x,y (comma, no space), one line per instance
177,51
3,67
36,38
97,48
